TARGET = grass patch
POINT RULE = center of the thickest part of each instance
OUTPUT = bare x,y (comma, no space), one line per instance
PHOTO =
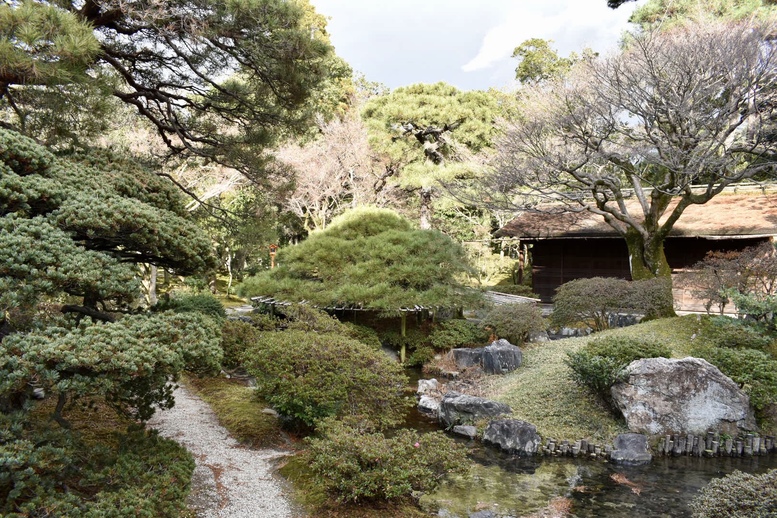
239,411
542,393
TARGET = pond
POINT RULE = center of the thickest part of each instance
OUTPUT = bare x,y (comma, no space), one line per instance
518,486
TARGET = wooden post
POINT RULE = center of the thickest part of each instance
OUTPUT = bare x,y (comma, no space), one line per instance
403,350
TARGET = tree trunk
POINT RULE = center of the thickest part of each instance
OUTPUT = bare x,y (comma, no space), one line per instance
647,260
403,350
426,208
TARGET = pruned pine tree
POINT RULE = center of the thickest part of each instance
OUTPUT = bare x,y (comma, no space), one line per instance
72,232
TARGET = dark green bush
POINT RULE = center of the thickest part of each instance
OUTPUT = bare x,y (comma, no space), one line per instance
414,340
754,371
236,337
515,322
263,321
354,464
364,334
201,303
597,373
626,349
54,473
601,364
309,376
591,302
455,333
522,290
305,318
722,331
740,495
420,356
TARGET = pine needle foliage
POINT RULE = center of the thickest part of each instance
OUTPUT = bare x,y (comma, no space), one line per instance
372,258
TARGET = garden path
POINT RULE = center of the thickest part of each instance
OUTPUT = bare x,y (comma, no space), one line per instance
230,480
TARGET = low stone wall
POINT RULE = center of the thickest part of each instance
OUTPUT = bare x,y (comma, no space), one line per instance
709,445
713,445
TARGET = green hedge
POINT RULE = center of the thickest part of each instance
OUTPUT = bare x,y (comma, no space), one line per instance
740,495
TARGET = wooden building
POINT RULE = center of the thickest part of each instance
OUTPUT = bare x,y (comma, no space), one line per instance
580,245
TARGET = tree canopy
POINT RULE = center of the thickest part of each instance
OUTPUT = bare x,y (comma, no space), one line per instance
72,232
429,133
669,122
215,79
369,258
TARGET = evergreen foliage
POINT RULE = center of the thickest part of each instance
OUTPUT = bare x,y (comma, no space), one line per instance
739,494
70,235
312,375
354,463
371,258
515,322
219,80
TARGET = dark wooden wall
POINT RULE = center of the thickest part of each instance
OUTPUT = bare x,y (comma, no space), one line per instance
556,261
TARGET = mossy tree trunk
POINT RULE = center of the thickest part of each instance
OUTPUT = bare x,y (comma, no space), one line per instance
647,260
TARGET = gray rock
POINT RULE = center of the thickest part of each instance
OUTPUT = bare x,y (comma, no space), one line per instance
539,336
689,395
513,436
631,449
466,430
482,514
501,357
427,386
429,406
467,357
458,408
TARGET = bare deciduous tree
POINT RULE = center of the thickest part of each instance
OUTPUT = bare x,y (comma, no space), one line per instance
639,137
333,173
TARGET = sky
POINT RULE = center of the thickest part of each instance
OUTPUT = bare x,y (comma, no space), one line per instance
467,44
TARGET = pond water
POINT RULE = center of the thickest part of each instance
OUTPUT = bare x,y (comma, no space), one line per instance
518,486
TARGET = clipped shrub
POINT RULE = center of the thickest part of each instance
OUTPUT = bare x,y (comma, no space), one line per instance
754,371
739,494
236,337
597,373
305,318
354,464
456,333
626,349
309,376
722,331
364,334
263,321
591,302
602,362
522,290
515,322
204,303
420,356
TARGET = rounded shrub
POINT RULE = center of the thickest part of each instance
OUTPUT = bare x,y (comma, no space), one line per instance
364,334
602,362
201,303
722,331
626,349
309,376
354,464
236,337
738,494
455,333
515,322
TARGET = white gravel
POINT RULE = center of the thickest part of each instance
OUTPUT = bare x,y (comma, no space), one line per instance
230,480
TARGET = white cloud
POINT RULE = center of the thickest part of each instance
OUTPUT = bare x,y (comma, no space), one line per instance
571,24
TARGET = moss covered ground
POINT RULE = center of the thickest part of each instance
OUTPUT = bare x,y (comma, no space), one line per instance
542,393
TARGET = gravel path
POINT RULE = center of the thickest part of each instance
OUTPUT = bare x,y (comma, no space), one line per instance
230,480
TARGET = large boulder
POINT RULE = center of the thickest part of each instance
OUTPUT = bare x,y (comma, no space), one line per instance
501,357
466,357
631,449
458,408
689,395
513,436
